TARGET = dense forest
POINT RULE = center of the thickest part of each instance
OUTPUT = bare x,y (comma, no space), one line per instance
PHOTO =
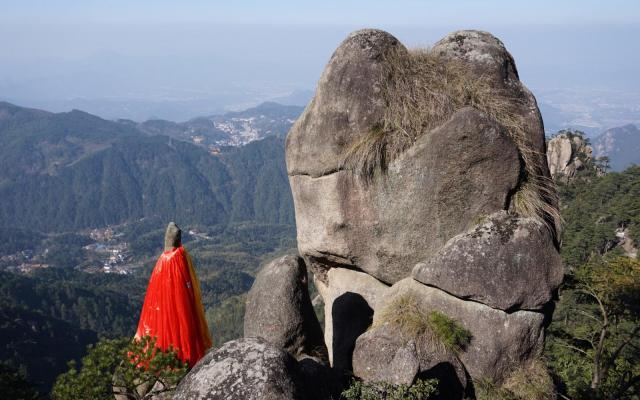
593,342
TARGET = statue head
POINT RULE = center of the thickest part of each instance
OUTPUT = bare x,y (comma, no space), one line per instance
172,237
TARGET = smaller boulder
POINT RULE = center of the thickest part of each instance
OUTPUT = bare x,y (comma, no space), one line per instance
505,262
387,354
381,355
500,341
279,309
243,369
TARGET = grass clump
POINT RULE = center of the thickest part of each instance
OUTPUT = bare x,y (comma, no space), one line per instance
434,328
529,382
422,90
449,332
419,390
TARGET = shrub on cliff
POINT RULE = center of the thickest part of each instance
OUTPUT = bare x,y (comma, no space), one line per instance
117,364
595,336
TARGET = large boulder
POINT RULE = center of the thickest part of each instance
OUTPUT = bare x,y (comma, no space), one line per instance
243,369
466,168
350,298
279,309
500,341
505,262
449,174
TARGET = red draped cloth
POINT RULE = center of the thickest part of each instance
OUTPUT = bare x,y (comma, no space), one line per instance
172,311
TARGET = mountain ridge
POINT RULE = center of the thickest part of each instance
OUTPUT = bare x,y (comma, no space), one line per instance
98,172
621,144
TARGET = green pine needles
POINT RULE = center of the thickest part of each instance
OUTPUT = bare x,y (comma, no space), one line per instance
120,366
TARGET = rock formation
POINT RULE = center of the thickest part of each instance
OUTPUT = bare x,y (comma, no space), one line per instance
419,178
568,152
243,370
279,309
400,190
254,369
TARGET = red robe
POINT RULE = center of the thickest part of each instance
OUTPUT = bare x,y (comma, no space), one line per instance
172,311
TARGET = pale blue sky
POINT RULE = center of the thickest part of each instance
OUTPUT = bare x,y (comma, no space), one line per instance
328,11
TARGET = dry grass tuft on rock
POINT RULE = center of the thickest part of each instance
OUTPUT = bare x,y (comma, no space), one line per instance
422,90
435,329
529,382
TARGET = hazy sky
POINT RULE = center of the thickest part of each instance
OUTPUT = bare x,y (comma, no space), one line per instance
328,11
182,58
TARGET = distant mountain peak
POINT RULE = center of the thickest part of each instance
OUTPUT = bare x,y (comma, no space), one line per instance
234,128
621,144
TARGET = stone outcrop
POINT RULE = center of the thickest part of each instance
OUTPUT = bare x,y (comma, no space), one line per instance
279,309
458,216
254,369
504,262
244,369
568,153
388,226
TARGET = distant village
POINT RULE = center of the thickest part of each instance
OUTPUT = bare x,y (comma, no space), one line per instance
107,254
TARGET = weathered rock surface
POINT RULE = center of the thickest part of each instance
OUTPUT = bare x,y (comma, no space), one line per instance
346,104
488,56
505,262
467,167
279,309
481,50
383,355
567,153
243,369
501,341
349,300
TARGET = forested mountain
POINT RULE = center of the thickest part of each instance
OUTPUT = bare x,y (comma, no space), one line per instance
73,170
593,342
621,145
50,318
